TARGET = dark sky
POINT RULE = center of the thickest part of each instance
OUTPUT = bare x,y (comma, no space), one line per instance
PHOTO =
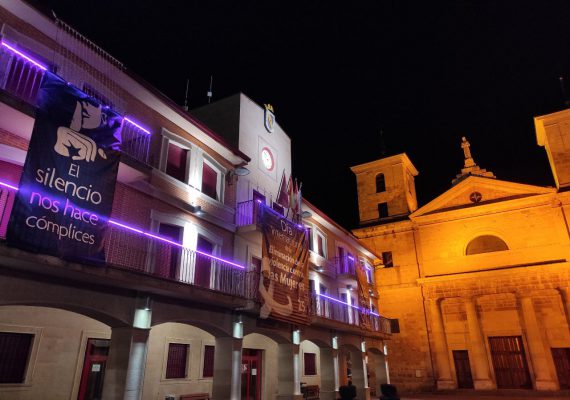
338,72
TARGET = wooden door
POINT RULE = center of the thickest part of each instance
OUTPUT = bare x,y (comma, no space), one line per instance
509,362
561,358
462,369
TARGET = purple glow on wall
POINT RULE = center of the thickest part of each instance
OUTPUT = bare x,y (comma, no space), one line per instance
141,232
130,121
27,58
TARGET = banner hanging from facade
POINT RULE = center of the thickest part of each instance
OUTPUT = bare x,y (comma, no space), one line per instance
283,283
68,182
363,296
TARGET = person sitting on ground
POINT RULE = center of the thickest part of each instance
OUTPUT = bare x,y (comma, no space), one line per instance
347,392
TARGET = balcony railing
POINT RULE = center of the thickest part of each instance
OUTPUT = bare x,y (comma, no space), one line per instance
345,265
21,76
246,212
333,309
127,249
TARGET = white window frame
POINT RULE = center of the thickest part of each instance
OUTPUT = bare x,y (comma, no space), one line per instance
318,232
220,180
194,164
170,138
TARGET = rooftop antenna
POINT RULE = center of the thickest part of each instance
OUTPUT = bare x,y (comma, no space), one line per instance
210,91
186,95
563,90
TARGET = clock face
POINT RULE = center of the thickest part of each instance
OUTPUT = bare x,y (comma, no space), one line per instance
267,159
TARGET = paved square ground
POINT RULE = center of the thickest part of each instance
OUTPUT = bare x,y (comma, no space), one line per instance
490,395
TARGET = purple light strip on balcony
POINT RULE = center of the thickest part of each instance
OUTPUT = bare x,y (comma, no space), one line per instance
8,185
141,232
130,121
280,215
25,57
375,314
337,300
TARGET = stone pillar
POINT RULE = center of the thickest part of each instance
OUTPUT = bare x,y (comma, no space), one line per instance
366,395
289,373
226,384
440,352
480,362
124,372
329,373
536,347
336,373
359,375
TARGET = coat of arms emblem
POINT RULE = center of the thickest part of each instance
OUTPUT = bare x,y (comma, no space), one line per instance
269,118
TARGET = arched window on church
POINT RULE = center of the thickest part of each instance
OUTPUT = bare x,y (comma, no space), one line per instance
380,183
485,244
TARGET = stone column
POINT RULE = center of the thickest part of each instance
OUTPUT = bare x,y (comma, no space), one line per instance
537,349
226,384
289,374
440,351
358,369
480,362
328,373
336,373
366,394
124,372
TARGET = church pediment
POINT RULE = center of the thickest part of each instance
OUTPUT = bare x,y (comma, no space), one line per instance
475,191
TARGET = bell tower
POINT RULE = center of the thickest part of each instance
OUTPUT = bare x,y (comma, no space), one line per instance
386,189
553,133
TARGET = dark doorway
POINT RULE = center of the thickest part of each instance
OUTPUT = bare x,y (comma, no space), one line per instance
251,374
203,266
561,358
91,386
462,369
168,255
509,362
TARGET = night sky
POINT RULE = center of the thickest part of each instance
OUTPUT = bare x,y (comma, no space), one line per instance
339,73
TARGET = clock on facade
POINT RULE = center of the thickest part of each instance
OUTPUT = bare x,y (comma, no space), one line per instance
267,159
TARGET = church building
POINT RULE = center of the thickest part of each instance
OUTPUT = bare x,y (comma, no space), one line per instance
479,276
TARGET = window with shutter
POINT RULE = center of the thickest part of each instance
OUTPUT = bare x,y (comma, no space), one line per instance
14,354
208,370
310,363
177,360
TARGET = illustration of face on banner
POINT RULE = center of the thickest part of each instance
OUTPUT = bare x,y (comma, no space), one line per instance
67,186
283,284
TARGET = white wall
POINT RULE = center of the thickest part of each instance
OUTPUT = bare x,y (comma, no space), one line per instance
58,349
252,137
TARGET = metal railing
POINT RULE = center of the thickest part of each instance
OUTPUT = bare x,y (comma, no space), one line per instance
129,250
7,196
336,310
132,251
345,265
21,77
246,212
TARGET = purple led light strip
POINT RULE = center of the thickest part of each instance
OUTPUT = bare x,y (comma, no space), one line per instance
44,68
27,58
130,121
141,232
337,300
